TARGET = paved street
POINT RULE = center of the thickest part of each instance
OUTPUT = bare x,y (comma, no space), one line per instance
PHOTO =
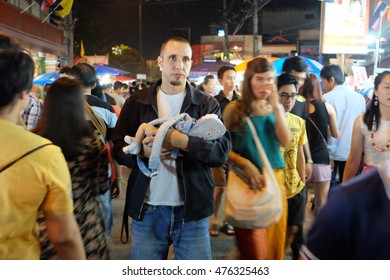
223,246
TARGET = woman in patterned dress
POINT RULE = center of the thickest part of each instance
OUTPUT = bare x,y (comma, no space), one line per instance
63,121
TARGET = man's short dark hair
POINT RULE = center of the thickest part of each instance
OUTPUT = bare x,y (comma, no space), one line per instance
174,39
287,79
118,85
5,42
16,74
85,73
223,69
207,79
64,70
332,71
106,86
295,63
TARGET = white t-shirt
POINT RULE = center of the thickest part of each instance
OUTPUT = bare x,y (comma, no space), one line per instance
164,188
230,95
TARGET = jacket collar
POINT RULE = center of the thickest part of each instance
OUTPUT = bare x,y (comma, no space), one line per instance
221,95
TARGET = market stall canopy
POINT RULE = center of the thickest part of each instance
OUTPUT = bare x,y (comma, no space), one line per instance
123,79
314,66
208,68
102,69
46,78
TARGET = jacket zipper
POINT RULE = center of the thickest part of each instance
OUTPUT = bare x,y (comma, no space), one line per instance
182,173
143,203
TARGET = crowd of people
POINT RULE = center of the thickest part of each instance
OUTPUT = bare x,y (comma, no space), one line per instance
61,161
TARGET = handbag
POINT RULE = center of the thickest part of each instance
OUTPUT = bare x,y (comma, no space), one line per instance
248,209
331,160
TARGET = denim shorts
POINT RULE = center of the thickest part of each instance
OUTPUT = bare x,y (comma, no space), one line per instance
161,226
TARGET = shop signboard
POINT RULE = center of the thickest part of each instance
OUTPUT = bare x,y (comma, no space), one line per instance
344,26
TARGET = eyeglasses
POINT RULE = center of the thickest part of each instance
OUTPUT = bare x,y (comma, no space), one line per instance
285,96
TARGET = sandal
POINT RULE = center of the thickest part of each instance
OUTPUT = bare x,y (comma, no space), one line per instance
214,230
227,229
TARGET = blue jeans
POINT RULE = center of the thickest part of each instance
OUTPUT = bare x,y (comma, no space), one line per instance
106,207
162,226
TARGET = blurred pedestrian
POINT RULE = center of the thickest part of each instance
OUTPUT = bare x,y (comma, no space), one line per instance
353,224
260,102
294,172
320,118
227,78
86,156
348,105
33,174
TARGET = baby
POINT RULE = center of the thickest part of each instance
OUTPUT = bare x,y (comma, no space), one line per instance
208,127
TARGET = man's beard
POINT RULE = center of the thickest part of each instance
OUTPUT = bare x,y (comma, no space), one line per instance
176,83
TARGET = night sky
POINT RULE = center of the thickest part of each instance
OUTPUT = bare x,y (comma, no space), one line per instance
161,17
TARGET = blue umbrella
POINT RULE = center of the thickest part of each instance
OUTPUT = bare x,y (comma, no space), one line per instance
46,78
102,70
314,66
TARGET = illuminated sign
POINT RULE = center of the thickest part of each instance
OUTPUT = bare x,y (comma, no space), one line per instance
344,26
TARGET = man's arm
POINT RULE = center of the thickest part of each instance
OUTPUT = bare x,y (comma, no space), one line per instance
301,163
308,163
127,124
213,153
64,233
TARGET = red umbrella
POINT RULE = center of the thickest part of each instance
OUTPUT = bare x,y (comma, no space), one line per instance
123,79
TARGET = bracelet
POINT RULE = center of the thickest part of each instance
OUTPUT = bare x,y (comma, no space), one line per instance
309,161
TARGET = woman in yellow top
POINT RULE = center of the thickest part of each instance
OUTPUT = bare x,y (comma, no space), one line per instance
38,181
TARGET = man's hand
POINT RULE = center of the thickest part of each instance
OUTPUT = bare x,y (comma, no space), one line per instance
147,142
255,179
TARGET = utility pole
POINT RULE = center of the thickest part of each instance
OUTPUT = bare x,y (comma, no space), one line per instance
225,27
184,32
377,45
140,25
255,29
68,26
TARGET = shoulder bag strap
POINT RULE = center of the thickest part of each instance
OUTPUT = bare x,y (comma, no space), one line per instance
24,155
96,120
323,138
263,156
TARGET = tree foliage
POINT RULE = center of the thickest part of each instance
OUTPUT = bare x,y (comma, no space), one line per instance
96,38
128,59
97,41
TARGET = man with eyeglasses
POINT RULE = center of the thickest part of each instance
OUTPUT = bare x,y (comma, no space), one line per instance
294,158
172,207
297,67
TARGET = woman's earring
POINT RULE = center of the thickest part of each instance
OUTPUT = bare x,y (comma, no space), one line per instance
376,101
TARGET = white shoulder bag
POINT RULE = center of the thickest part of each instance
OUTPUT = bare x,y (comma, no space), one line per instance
250,209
